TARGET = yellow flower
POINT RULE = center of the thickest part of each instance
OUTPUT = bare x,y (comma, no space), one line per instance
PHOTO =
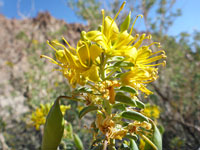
121,43
108,127
110,38
77,65
152,111
143,57
137,78
38,117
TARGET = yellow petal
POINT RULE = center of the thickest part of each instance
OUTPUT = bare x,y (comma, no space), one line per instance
95,51
110,29
92,74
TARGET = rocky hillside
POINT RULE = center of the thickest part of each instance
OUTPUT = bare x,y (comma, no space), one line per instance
27,80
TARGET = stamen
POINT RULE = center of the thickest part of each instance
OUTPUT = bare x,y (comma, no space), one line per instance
51,46
160,51
145,82
157,43
149,37
68,55
68,43
52,60
134,23
122,6
103,14
139,42
135,38
153,59
158,64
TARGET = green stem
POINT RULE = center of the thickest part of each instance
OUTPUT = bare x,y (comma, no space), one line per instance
70,98
105,144
111,73
112,145
94,87
149,141
102,66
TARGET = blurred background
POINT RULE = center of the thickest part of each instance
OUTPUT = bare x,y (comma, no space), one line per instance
28,81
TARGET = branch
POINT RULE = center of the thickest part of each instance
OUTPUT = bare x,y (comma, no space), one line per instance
3,143
160,93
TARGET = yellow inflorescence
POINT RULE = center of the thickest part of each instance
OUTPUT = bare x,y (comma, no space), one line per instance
105,60
80,64
152,111
38,117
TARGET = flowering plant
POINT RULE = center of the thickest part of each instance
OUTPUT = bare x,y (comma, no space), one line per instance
107,70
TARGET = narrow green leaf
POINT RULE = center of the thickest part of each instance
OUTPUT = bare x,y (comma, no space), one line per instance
123,64
155,141
124,26
118,75
140,104
157,138
133,145
87,109
54,127
107,106
115,58
128,89
119,106
78,143
131,136
122,98
69,130
148,143
83,90
133,115
99,147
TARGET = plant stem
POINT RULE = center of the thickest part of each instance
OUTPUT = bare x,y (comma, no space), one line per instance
70,98
105,145
112,145
102,66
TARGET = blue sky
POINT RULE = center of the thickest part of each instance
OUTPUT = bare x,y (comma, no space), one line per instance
188,22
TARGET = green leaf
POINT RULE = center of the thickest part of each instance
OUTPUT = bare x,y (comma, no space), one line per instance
118,75
140,104
54,127
122,98
128,89
69,130
119,106
133,145
115,58
83,90
131,136
157,138
148,143
133,115
123,64
155,141
87,109
124,26
107,106
78,143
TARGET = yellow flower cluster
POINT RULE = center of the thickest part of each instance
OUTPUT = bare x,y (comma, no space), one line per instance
107,60
38,117
152,111
83,63
77,65
108,127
